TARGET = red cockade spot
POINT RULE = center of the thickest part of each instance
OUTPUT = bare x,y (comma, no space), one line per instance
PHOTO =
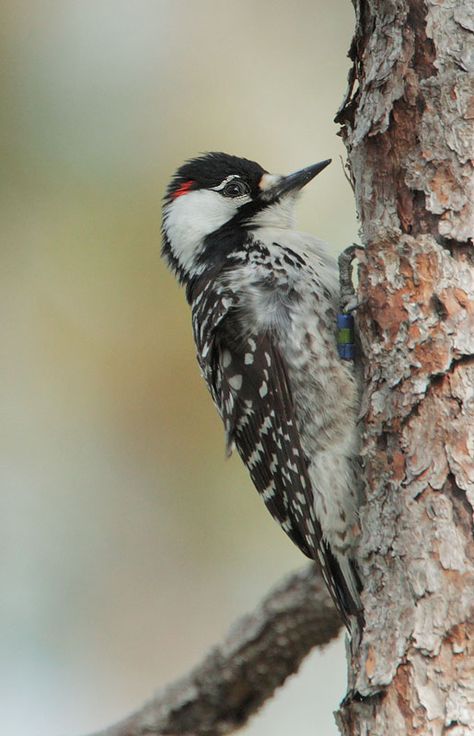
183,189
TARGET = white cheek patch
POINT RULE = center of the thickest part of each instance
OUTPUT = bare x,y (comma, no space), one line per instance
191,217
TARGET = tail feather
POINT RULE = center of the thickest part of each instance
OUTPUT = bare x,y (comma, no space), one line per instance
345,587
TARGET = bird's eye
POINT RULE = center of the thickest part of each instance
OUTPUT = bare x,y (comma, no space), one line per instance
235,188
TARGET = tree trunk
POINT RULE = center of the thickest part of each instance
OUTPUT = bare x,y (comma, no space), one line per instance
408,132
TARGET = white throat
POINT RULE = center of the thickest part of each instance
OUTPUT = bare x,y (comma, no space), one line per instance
281,214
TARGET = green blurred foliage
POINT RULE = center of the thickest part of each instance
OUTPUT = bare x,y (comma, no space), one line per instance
128,543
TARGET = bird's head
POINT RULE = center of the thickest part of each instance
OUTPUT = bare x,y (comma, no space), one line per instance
219,193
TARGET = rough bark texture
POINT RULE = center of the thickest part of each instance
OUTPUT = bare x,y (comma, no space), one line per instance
407,124
236,677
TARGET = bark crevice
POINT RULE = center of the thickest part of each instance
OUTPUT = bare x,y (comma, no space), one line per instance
408,129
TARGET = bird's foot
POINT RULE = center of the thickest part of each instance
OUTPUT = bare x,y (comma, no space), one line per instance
348,297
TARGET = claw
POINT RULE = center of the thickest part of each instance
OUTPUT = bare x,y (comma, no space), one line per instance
348,296
350,304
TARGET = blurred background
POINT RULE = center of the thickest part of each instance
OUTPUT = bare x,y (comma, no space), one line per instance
128,544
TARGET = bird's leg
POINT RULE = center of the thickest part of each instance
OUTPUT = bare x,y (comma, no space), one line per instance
346,341
348,297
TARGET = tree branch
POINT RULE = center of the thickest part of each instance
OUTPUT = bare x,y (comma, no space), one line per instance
260,651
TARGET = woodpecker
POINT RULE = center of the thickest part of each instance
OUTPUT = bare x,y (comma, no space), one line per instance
264,299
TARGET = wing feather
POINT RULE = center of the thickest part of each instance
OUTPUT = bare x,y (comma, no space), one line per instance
248,380
260,420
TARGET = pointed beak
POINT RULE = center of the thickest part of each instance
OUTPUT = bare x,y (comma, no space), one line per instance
274,187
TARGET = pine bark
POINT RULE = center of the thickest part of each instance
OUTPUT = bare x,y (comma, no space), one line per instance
407,123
